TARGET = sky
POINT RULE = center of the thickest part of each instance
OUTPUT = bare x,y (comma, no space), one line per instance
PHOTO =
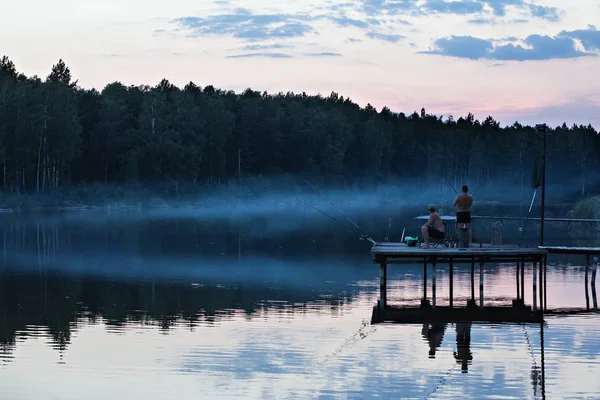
530,61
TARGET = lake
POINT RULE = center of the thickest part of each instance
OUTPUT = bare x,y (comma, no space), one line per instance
167,305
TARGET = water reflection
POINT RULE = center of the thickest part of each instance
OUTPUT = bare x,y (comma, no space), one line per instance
101,312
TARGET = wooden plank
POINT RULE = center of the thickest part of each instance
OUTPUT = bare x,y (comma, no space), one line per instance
401,249
452,218
571,250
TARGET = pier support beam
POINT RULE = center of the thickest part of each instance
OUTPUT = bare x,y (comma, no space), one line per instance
587,292
523,281
481,284
451,284
473,281
593,284
383,286
545,287
541,287
433,283
534,286
518,287
425,281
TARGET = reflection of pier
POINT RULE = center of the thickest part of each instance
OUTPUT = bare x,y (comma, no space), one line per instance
398,253
389,253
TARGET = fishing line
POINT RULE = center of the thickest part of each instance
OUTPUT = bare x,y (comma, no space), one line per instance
443,176
357,336
535,366
442,381
327,215
364,234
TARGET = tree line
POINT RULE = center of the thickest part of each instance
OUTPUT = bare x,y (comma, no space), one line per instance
54,133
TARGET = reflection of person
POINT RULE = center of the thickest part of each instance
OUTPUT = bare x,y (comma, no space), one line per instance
434,334
434,227
463,345
463,212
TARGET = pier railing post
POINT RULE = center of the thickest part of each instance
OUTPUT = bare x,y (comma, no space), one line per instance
383,286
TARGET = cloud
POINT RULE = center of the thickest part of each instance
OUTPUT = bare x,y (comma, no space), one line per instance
462,47
353,40
245,25
384,37
345,22
533,47
547,13
323,54
454,7
459,7
254,47
268,55
590,38
494,21
393,7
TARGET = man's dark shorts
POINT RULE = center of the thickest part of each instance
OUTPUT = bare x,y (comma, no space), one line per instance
463,217
434,233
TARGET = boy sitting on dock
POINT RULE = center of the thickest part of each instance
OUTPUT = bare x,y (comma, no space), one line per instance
434,227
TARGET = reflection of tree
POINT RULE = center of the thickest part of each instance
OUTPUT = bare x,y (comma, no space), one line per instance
59,303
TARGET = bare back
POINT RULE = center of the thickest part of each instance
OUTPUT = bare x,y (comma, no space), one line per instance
435,221
464,201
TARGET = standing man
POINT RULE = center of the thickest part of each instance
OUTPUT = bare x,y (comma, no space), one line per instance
463,213
434,227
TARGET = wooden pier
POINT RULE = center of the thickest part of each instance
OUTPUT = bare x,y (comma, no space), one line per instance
388,253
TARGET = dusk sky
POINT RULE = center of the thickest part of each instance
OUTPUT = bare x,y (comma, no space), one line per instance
531,61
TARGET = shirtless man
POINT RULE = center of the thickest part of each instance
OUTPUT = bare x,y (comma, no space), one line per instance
434,227
463,213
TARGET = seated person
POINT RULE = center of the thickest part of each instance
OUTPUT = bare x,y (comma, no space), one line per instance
434,227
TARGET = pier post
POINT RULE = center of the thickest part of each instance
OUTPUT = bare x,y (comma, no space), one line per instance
481,284
433,283
383,286
587,293
534,285
541,287
473,281
451,284
523,281
518,291
593,283
425,281
545,287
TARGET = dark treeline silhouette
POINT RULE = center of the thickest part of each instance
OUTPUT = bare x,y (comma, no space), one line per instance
54,133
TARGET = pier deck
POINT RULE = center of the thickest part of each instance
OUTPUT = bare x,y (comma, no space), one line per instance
388,253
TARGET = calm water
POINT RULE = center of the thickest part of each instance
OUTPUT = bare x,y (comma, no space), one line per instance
153,308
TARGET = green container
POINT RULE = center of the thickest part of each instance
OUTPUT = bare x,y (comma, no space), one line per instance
411,241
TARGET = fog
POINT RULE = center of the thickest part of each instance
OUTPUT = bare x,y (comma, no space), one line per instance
297,202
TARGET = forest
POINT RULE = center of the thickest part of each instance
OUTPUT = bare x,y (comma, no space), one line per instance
55,134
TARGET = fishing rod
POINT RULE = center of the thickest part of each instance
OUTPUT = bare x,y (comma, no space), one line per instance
443,176
364,235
